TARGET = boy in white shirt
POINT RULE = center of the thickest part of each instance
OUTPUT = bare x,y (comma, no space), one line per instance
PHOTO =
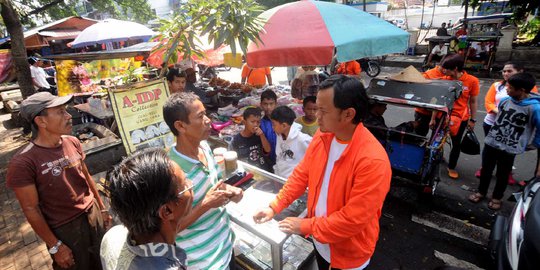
291,144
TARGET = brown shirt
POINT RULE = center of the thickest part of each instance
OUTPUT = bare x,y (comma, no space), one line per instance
57,174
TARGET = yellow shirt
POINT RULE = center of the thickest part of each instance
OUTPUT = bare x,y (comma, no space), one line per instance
309,129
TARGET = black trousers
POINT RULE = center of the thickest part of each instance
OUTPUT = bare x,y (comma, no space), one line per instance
232,263
83,236
423,123
486,128
322,263
492,157
456,146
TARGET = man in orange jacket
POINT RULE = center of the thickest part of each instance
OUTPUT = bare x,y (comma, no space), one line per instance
347,159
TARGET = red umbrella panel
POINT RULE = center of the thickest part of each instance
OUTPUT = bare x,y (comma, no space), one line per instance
212,57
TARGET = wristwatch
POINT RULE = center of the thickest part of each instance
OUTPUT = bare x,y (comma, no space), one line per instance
54,249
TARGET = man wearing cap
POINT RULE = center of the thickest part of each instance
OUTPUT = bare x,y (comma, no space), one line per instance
54,188
39,76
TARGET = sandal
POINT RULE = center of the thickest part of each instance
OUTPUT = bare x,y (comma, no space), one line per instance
476,197
494,204
453,173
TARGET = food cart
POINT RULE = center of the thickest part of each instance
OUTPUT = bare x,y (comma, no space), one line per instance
412,156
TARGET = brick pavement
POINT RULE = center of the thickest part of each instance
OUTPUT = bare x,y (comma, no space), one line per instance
20,248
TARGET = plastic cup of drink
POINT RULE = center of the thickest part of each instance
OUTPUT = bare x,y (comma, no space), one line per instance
231,164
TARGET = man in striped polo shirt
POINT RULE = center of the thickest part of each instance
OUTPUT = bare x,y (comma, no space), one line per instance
205,234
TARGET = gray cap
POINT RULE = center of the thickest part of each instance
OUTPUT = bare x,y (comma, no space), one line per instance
38,102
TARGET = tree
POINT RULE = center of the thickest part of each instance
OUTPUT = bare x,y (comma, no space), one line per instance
18,51
136,10
224,22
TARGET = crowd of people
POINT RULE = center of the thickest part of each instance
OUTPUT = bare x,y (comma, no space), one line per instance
171,203
513,113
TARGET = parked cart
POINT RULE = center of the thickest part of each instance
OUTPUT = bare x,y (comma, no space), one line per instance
415,157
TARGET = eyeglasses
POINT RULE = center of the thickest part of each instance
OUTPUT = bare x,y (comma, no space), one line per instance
189,187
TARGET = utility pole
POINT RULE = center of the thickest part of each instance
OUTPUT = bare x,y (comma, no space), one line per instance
465,16
422,18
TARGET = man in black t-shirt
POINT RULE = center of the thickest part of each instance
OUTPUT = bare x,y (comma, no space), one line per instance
442,31
251,144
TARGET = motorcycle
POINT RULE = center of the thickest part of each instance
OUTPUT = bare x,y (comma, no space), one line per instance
207,72
514,241
371,67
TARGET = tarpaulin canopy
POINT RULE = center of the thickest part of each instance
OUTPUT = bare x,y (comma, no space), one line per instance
112,30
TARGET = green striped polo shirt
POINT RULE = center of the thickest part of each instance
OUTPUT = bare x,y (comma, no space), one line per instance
208,241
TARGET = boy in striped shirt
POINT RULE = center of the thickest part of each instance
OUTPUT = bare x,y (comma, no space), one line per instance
205,234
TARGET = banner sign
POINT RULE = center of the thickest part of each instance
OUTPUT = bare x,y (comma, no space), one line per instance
139,114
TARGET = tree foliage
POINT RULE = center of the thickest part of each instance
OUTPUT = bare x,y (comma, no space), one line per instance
529,28
223,22
133,10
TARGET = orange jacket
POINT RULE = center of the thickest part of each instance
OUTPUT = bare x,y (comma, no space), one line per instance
358,185
349,68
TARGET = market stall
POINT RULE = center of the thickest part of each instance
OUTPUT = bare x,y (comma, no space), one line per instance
90,77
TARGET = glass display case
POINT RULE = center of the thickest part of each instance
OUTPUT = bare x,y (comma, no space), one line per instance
264,246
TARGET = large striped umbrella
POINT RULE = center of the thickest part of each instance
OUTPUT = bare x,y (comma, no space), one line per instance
308,32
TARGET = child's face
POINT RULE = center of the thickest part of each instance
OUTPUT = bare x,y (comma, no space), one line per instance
177,85
268,106
252,122
279,128
513,92
310,111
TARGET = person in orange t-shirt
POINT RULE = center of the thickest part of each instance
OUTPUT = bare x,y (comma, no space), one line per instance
423,116
435,73
256,76
349,68
465,107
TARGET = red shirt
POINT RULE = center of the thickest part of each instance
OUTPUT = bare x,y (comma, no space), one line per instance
57,174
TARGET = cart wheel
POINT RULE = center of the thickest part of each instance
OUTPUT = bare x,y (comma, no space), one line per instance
425,197
373,69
